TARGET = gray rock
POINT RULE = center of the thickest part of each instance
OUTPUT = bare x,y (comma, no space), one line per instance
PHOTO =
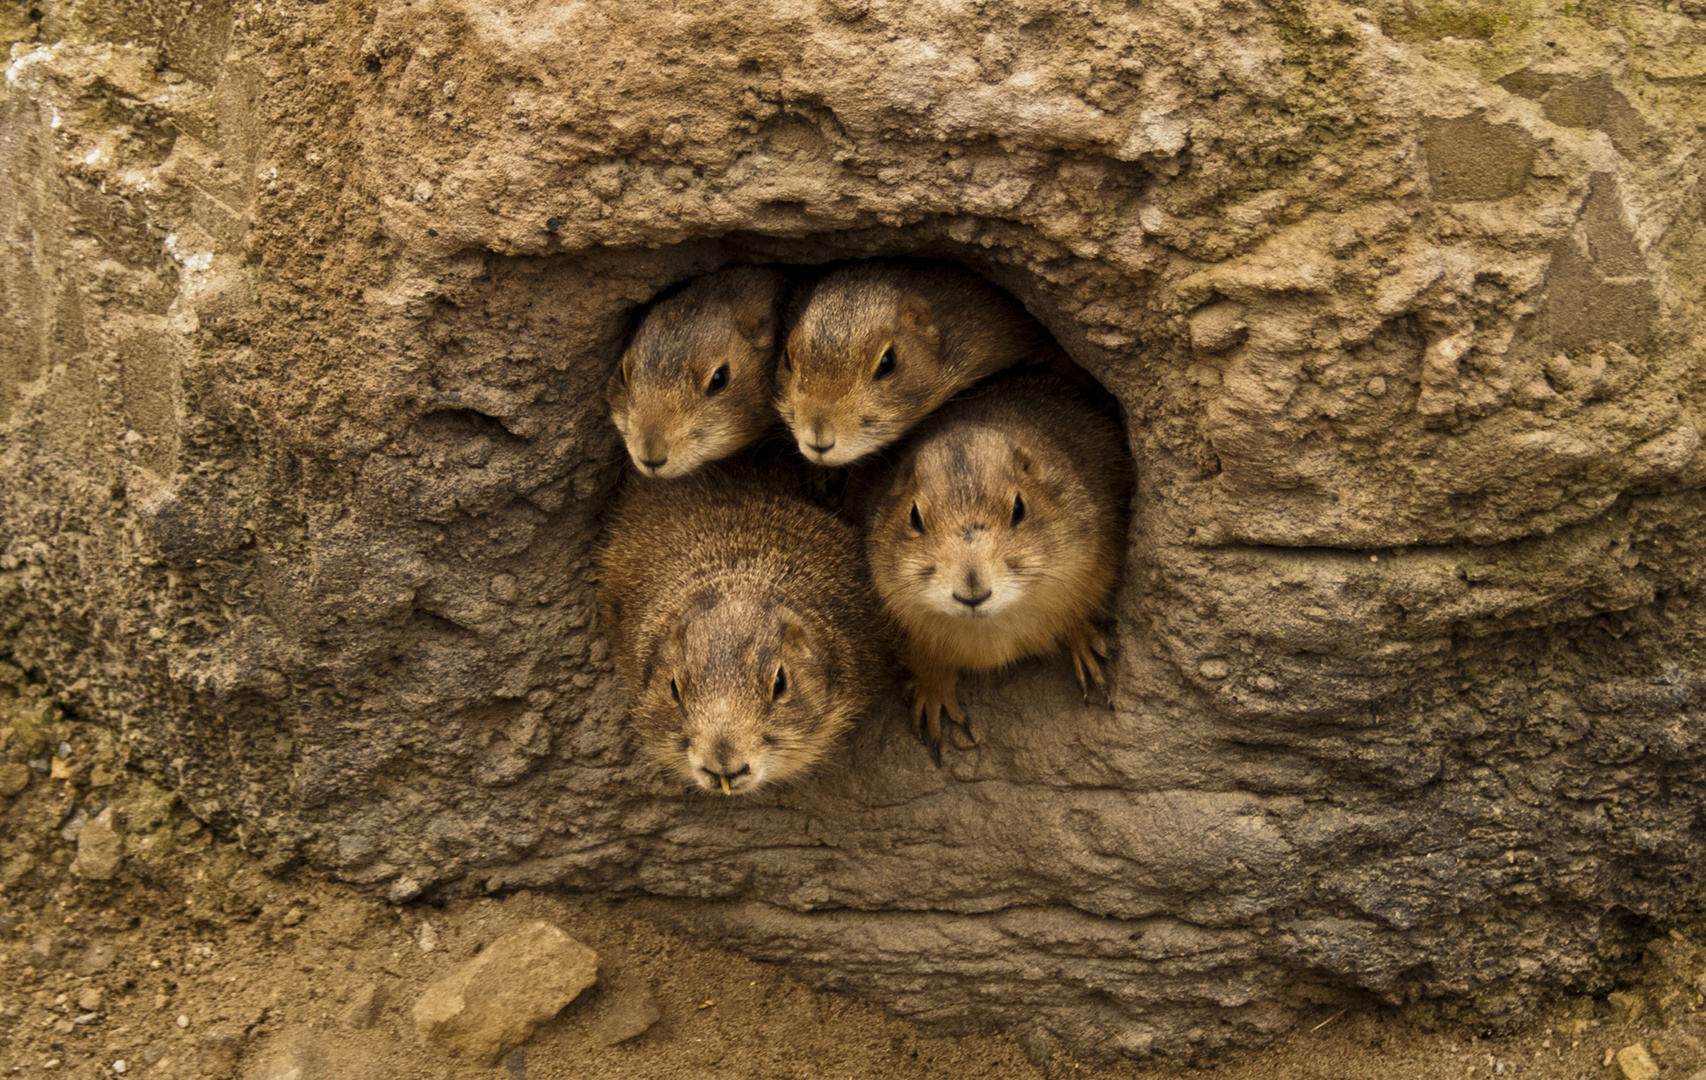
487,1006
98,957
632,1013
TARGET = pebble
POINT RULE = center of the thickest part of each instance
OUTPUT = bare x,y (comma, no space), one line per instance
100,849
95,959
403,890
632,1014
14,777
223,1044
489,1005
364,1008
1634,1063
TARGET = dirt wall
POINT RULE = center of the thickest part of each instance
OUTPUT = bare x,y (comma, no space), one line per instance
310,307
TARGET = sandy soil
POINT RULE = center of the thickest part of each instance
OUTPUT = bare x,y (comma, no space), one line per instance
207,967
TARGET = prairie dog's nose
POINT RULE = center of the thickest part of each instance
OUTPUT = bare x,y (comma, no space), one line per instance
820,436
975,599
723,777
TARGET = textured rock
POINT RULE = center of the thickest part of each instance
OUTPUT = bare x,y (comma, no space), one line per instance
309,306
364,1008
14,777
100,849
1634,1063
489,1005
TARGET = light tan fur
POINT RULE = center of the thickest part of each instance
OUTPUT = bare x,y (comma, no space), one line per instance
878,345
744,626
1021,488
697,380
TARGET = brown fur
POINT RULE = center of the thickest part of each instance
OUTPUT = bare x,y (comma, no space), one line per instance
948,329
674,412
713,585
1040,582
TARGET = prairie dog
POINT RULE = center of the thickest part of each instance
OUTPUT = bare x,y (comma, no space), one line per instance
879,345
696,382
1000,536
744,625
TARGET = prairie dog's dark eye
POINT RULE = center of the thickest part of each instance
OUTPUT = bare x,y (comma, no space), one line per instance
675,691
917,519
885,366
780,686
719,380
787,361
1018,509
622,374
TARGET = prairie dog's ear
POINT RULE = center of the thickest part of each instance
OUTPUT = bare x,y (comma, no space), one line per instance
1021,459
796,641
914,312
915,318
755,312
669,651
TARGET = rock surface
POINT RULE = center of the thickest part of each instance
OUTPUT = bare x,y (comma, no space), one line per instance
631,1014
100,849
309,309
489,1005
1634,1063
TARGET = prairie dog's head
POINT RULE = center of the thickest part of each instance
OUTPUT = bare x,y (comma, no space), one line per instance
862,365
696,382
739,696
974,527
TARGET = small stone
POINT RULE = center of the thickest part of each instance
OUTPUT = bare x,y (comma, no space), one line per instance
295,1056
1266,684
292,917
121,1065
100,849
95,959
14,777
90,999
1634,1063
45,950
183,1021
223,1044
632,1014
64,1027
491,1004
1626,1007
14,870
1215,668
403,890
364,1008
1377,386
426,937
